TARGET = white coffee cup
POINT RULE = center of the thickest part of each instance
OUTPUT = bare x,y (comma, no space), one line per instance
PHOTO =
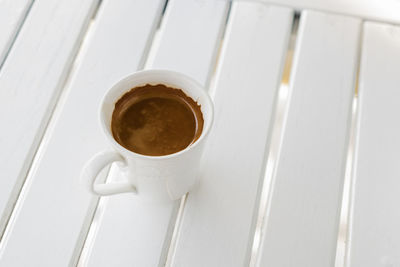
154,178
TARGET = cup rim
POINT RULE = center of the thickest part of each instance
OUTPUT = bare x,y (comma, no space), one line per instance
180,75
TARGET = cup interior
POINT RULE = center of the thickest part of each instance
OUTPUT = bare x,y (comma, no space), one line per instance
169,78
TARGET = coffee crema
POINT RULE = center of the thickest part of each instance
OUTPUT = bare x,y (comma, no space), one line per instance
156,120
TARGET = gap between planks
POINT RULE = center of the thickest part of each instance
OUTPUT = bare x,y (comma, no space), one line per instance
343,248
342,240
271,154
82,252
15,35
210,85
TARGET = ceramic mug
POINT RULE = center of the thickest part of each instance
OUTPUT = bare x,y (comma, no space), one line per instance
163,178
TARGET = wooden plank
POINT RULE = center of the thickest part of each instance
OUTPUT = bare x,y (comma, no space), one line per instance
129,231
53,215
30,82
302,217
188,25
379,10
218,224
12,15
374,238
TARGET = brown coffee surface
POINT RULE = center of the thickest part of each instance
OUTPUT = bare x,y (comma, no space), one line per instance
156,120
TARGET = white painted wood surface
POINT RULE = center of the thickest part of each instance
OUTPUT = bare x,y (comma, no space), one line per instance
302,216
218,223
30,82
375,215
130,231
188,25
52,217
12,15
381,10
54,211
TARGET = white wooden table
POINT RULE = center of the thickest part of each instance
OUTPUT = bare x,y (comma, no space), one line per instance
300,170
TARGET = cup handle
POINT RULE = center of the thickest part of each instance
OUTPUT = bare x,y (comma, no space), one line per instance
92,169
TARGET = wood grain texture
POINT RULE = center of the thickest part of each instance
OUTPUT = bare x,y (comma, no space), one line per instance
53,215
387,10
374,238
218,224
30,82
302,217
12,15
130,232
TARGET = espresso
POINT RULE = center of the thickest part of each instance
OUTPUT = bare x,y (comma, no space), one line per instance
156,120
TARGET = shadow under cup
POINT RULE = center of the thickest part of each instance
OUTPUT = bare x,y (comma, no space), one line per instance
167,176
